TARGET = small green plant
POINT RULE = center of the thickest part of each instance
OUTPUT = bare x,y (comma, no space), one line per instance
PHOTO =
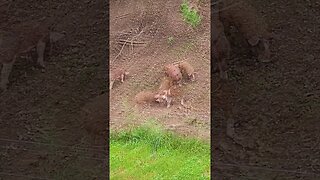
183,49
190,16
170,40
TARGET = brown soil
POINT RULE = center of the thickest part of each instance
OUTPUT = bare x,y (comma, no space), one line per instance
275,105
44,107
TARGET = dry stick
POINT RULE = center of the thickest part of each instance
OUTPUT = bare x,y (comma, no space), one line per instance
184,105
219,87
125,42
135,37
134,42
121,16
178,62
120,51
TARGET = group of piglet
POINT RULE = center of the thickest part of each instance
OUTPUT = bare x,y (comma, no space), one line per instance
170,88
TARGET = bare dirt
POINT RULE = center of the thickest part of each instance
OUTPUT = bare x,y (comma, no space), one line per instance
275,105
42,133
152,25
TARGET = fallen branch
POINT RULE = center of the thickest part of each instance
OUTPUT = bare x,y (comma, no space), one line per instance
120,51
121,16
134,42
125,42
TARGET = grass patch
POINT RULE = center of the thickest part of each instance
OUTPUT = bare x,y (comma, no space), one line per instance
190,15
183,49
148,152
170,40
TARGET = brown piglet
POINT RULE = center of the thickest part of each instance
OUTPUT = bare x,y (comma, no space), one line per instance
173,72
117,75
187,70
221,46
145,97
22,38
250,24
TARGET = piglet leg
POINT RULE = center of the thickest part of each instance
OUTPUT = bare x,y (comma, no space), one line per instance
230,127
40,51
168,102
122,78
222,68
5,73
265,55
111,85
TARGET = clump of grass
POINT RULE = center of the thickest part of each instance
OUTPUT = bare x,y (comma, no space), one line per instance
170,40
148,152
190,16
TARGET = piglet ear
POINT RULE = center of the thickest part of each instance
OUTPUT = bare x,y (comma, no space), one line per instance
254,41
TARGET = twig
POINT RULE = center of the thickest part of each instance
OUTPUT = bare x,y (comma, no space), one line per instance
134,38
134,42
125,42
121,16
120,51
128,43
219,87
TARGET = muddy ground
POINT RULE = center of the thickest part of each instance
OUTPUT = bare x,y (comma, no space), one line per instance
275,105
42,134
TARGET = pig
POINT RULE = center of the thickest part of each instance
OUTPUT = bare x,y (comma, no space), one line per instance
161,93
174,73
167,96
118,74
22,38
186,70
145,97
165,84
249,23
221,46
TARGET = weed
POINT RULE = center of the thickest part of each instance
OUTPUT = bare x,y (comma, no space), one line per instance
170,40
190,15
187,47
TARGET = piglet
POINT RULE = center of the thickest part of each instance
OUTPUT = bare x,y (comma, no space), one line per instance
186,70
174,73
221,46
22,38
117,75
250,24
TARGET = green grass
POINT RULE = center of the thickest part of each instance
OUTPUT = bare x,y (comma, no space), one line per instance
183,49
190,16
170,40
148,152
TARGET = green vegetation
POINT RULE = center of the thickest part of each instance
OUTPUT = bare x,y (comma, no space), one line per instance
148,152
183,49
170,40
190,15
